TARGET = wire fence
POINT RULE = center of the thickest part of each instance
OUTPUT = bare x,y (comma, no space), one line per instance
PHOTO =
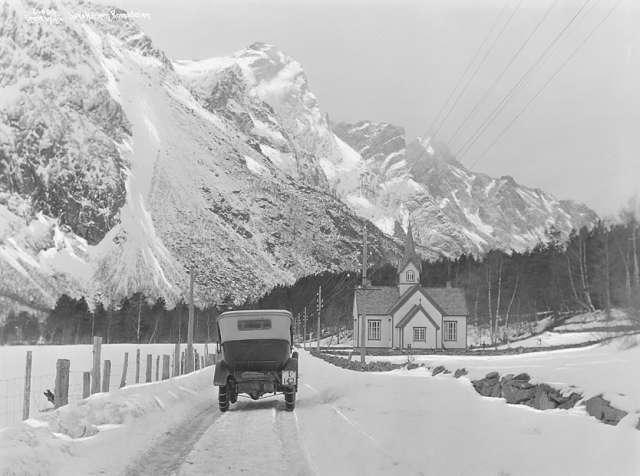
12,390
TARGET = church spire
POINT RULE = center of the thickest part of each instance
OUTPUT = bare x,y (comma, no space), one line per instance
411,265
409,246
409,254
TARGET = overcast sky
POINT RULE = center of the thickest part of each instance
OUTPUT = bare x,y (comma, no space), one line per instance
398,61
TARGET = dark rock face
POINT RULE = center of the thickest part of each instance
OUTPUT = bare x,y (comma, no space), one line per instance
460,372
519,391
603,411
489,386
448,199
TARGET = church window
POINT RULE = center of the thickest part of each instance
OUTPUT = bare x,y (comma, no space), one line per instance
450,331
419,334
373,329
410,276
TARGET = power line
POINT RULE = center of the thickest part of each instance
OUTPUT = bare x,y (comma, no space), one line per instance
480,64
502,73
551,78
436,119
498,109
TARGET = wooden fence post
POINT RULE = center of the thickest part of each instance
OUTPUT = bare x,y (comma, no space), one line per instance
149,368
182,367
61,392
106,377
137,365
86,384
166,363
197,360
95,375
123,379
26,402
157,368
176,359
202,364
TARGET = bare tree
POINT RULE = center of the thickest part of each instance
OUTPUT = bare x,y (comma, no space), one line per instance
513,298
489,301
499,297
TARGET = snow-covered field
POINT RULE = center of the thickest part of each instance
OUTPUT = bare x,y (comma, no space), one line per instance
12,371
345,423
609,369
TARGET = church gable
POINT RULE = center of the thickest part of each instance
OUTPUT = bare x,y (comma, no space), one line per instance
416,310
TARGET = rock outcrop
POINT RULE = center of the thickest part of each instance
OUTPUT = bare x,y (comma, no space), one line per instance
603,411
519,390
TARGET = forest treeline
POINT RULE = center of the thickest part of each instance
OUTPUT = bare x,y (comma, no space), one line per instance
597,268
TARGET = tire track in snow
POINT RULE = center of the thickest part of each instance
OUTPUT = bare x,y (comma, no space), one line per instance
167,454
251,438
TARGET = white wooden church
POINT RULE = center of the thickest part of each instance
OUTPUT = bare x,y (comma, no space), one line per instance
409,316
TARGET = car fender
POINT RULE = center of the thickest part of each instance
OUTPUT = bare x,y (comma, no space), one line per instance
221,374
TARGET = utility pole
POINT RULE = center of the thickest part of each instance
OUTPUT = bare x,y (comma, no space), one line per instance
304,336
363,317
190,325
319,307
298,328
364,256
363,335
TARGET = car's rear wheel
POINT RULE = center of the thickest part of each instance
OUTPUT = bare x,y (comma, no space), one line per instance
223,398
233,392
289,399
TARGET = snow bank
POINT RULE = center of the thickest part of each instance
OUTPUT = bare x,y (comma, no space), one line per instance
71,439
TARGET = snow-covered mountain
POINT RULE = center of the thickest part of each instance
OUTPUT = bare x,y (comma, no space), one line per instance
267,95
115,178
121,169
453,209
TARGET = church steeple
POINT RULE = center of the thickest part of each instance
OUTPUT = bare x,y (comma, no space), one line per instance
409,246
410,266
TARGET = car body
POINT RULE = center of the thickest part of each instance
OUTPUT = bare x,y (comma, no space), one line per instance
256,356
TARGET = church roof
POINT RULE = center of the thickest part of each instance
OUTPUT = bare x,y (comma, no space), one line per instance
451,300
414,310
382,300
376,300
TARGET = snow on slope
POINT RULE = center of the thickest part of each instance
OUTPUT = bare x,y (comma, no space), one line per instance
453,210
180,191
292,118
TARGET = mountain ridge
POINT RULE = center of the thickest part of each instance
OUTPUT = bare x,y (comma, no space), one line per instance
124,171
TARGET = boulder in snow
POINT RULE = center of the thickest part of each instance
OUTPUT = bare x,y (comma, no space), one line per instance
460,372
603,411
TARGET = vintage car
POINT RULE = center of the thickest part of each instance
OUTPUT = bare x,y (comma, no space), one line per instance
256,356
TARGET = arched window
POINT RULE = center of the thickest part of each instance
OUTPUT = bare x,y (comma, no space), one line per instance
410,276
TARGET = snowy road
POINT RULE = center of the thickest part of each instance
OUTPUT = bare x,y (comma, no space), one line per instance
373,424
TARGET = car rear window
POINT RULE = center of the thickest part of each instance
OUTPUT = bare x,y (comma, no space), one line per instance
254,324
